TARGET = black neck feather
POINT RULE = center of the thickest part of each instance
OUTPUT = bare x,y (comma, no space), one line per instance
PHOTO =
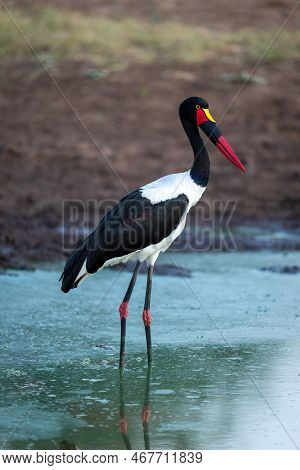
201,167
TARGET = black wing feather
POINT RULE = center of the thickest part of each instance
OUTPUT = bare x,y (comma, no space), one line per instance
131,225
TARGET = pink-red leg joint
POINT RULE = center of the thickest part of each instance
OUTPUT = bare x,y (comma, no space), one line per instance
123,426
146,414
147,317
123,309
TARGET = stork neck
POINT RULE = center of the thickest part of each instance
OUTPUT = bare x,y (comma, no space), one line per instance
201,167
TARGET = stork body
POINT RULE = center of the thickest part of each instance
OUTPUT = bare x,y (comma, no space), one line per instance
147,221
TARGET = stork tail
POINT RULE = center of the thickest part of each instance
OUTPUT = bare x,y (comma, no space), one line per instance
74,270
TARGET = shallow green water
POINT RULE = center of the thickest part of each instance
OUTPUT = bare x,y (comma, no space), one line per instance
226,371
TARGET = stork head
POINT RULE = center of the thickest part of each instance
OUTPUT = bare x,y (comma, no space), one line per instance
195,111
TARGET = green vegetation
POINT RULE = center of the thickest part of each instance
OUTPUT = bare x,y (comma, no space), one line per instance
65,34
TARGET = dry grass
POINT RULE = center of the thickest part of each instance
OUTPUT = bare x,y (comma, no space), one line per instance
65,34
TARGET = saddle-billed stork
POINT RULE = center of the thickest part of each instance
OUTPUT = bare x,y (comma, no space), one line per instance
145,222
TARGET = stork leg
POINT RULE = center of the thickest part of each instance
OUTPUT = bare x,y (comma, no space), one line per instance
123,309
147,314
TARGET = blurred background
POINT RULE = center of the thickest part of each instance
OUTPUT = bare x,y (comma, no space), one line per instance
124,67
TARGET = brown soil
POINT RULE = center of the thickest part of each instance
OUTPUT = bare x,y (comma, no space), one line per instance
47,156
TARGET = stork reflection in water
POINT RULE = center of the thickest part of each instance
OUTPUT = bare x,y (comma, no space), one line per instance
145,413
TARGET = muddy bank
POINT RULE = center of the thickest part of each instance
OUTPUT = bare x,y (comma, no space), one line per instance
23,247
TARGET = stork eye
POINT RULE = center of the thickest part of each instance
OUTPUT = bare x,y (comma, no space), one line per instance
198,106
